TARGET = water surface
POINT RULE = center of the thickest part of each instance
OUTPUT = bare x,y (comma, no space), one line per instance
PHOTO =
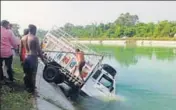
146,79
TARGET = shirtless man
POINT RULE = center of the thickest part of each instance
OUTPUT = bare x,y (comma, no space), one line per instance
31,44
22,50
80,62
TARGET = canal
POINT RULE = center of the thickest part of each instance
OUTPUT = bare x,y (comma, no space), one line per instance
146,79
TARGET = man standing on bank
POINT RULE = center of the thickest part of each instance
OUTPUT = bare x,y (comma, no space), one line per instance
13,51
31,44
22,51
7,40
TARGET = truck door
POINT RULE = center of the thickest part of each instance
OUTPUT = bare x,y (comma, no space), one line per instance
104,84
98,85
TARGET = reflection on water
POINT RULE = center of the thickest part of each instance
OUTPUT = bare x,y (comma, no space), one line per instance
146,79
130,55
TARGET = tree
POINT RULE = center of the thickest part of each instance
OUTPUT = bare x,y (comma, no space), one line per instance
41,33
150,29
127,19
15,29
68,27
129,31
125,25
119,31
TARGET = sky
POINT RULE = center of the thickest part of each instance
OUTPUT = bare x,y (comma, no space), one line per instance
45,14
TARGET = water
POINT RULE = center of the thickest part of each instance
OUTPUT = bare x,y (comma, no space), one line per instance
146,79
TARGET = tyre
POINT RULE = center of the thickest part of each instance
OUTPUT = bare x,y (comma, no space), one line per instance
50,74
60,78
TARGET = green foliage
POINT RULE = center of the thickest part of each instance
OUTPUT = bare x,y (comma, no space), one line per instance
15,29
125,25
127,20
41,33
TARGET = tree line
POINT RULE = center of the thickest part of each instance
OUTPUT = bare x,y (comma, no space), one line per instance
126,25
40,32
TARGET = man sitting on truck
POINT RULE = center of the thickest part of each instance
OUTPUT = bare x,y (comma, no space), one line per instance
80,62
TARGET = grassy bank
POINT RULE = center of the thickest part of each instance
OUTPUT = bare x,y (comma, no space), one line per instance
131,38
13,96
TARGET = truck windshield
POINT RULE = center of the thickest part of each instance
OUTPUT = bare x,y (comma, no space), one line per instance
106,81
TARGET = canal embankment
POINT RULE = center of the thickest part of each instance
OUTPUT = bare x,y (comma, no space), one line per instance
150,43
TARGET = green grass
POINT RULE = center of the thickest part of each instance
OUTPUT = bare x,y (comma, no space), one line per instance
14,97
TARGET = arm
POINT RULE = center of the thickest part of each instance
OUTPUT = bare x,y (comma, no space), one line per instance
39,49
13,40
20,49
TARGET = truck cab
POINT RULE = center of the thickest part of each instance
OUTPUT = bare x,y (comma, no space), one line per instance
101,82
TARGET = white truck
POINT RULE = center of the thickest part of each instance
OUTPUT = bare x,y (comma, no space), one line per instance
59,48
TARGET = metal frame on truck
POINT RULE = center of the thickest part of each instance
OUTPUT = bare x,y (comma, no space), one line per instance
59,48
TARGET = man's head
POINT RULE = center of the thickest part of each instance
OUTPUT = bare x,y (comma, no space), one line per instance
26,31
32,29
5,23
10,26
77,50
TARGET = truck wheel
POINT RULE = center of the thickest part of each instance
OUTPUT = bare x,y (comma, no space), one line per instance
60,78
50,74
